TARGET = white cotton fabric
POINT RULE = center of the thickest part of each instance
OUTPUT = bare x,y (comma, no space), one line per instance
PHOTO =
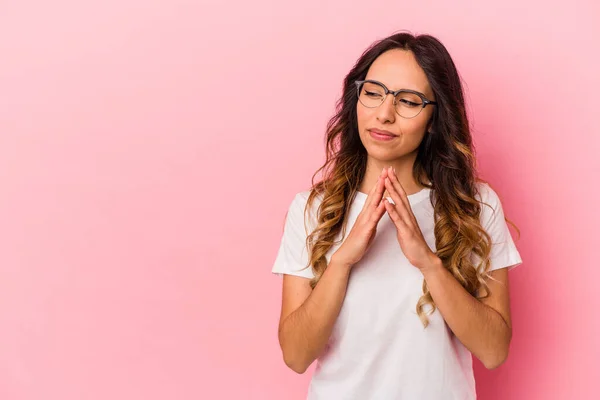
378,348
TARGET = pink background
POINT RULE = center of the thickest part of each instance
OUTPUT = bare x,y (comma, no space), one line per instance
149,150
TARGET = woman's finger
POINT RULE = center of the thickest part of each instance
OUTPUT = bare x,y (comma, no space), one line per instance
395,216
376,193
378,213
400,205
398,186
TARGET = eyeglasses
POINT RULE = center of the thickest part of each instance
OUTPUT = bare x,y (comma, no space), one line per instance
408,103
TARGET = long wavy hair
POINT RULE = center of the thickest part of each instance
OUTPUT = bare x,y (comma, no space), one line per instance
445,157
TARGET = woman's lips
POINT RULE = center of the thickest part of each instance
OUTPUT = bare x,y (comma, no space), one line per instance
379,135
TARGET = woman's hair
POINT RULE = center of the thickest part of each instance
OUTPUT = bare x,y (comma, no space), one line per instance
445,157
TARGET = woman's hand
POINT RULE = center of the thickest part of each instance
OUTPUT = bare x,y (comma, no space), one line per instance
363,231
410,237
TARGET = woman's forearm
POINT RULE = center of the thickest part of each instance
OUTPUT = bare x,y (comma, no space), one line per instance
480,328
305,332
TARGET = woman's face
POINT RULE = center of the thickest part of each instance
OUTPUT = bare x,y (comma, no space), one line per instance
396,69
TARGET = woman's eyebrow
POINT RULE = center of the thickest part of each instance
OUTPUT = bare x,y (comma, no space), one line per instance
393,90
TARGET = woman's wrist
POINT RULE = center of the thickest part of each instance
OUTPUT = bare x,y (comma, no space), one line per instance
433,267
339,264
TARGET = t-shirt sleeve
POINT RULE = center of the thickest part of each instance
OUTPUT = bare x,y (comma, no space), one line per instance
292,255
504,253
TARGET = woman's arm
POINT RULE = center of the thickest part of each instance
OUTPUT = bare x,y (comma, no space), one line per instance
484,327
308,317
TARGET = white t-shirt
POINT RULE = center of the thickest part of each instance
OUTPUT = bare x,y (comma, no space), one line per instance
378,348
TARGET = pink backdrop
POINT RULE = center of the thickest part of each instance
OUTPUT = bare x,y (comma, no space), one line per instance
149,150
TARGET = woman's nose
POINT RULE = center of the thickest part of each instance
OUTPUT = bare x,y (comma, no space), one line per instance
386,111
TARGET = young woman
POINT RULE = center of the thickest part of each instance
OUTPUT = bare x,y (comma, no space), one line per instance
395,264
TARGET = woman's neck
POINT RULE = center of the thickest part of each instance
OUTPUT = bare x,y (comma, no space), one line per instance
404,172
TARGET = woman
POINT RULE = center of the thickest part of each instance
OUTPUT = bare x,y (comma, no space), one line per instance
395,264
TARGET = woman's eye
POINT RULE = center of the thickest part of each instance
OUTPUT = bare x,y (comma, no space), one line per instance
372,94
409,103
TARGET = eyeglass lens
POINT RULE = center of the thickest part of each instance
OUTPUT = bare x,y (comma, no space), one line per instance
408,105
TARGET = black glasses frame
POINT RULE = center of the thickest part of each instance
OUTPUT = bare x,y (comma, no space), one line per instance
425,101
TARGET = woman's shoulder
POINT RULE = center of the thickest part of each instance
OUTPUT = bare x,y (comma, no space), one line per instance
298,206
486,194
491,202
301,197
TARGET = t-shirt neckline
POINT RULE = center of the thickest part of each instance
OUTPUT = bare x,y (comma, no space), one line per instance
412,198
